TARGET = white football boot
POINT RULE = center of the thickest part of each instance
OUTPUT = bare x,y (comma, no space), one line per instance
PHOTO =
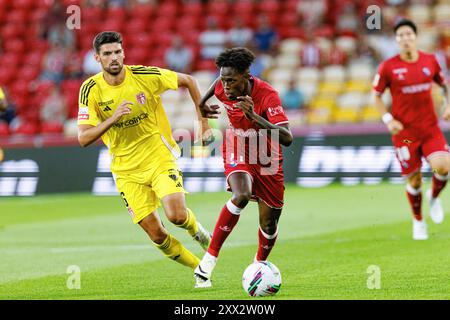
436,210
420,230
203,237
202,273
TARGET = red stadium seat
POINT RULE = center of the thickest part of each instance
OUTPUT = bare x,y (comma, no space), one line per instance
7,75
269,6
17,16
167,9
27,128
193,9
37,15
141,12
92,15
12,30
15,46
71,2
51,127
243,6
9,59
4,129
185,23
138,39
215,7
136,26
162,24
23,4
206,65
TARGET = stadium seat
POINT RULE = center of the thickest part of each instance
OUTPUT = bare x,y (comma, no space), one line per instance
357,86
4,129
142,12
290,46
51,127
17,16
287,61
308,89
351,100
346,44
308,74
335,73
360,72
319,116
441,13
370,113
330,88
27,128
419,13
344,115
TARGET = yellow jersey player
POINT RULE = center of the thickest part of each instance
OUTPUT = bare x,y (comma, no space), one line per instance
122,105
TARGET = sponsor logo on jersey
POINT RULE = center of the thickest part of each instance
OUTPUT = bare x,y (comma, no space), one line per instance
400,73
426,71
104,103
140,97
83,113
131,122
273,111
415,88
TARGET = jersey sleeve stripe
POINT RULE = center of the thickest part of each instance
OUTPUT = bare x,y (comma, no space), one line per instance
83,90
86,94
146,72
282,122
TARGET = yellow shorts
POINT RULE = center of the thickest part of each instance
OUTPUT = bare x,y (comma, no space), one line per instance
141,191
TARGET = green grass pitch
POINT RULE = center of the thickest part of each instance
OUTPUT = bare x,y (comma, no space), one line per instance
328,239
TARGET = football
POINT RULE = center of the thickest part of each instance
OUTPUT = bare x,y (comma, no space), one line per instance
261,279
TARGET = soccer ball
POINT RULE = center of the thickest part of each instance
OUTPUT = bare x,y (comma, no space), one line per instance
261,279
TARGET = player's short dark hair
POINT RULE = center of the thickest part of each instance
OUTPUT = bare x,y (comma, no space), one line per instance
238,58
405,22
106,37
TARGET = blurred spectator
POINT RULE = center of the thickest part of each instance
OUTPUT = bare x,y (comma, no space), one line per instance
442,53
7,108
348,21
239,35
312,12
60,34
385,43
53,64
336,55
311,55
95,3
265,36
56,15
54,108
90,65
365,54
74,66
292,98
3,101
261,64
212,40
178,57
117,3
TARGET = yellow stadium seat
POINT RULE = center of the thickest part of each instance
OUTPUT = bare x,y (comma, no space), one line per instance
330,88
357,86
345,115
370,113
319,116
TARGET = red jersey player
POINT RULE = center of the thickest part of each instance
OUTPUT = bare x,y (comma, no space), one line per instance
257,124
413,122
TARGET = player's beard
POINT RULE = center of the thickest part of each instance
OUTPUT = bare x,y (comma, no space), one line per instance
114,72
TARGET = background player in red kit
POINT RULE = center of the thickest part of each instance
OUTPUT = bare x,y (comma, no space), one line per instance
253,108
413,122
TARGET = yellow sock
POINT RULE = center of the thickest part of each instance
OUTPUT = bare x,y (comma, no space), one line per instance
190,225
173,249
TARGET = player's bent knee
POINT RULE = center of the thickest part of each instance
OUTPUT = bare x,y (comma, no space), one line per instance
241,199
269,229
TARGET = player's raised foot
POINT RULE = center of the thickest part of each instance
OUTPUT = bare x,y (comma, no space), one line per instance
203,272
420,231
436,210
203,237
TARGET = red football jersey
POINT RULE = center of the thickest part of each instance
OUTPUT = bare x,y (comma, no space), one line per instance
410,85
267,104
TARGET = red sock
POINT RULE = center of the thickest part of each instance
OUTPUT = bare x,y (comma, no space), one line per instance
415,200
266,243
228,218
438,184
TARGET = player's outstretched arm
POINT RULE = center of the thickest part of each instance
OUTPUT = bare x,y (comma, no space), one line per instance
88,134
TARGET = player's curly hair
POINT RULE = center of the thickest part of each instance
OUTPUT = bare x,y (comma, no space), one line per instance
238,58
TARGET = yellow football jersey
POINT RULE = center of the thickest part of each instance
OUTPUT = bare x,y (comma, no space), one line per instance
146,129
2,94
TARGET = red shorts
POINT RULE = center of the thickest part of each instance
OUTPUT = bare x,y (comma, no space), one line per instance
410,148
268,188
